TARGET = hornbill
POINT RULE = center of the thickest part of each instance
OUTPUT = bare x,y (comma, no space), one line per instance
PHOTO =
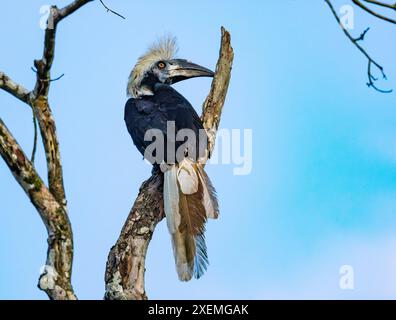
189,196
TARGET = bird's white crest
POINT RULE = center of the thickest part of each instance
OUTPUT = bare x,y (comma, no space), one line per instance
164,49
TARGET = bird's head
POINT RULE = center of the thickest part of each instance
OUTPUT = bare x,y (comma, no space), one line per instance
158,65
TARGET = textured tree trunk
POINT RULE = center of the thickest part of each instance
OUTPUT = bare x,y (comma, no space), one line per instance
55,279
126,263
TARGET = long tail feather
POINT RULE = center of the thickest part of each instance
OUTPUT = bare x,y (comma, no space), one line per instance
209,194
189,199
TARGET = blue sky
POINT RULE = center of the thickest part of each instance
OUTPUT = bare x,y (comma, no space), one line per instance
322,192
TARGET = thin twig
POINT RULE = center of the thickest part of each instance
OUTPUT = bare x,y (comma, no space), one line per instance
58,78
112,11
34,138
50,80
372,12
382,4
361,37
371,78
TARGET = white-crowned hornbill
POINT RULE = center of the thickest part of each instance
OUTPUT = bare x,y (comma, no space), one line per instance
189,197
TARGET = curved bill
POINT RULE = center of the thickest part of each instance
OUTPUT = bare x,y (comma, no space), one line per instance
180,69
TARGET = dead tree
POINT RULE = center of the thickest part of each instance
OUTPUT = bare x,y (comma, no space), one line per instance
49,200
126,264
370,7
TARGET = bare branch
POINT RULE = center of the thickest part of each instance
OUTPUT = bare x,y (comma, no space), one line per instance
371,61
372,12
40,103
112,11
213,105
14,88
126,262
43,66
47,127
382,4
57,78
34,138
71,8
55,279
362,35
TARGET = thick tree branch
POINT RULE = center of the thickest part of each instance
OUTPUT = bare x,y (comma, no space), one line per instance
44,65
55,278
213,105
40,103
371,61
126,262
47,127
14,88
71,8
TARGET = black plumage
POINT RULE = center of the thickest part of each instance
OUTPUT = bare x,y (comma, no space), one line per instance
189,196
155,111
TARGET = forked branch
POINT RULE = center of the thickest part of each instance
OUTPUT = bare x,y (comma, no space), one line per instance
371,78
50,201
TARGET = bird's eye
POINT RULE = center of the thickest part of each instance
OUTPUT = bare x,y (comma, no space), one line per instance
161,65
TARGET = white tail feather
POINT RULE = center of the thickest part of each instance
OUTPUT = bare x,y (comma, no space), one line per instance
171,199
189,199
187,177
184,269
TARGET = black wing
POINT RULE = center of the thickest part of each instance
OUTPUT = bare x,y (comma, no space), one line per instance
153,112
